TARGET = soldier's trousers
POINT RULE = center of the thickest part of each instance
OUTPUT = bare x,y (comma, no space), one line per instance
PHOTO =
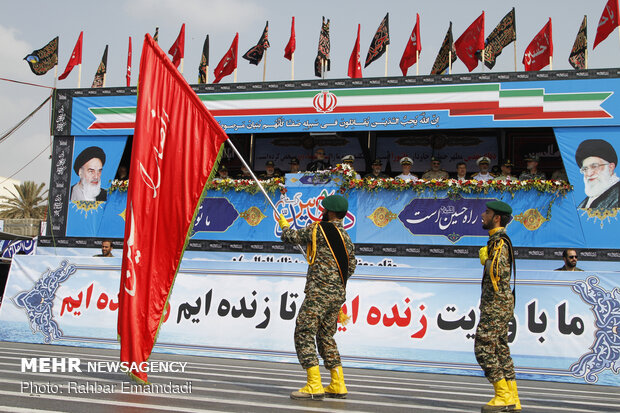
491,345
317,320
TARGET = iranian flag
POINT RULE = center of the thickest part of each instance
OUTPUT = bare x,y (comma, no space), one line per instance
175,148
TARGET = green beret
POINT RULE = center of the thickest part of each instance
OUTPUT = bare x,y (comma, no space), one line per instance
335,203
499,207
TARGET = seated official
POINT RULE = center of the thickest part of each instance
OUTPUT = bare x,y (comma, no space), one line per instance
376,170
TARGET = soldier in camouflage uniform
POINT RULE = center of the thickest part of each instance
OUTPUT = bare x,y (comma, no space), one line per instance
435,172
496,310
324,296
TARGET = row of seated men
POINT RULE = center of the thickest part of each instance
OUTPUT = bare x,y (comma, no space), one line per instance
484,172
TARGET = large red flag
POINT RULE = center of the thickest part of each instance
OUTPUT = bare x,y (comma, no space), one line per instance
471,41
129,63
539,52
414,44
608,22
228,64
291,45
355,67
177,50
76,58
176,146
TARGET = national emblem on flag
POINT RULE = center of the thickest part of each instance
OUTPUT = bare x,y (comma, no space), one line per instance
577,58
255,54
379,42
446,55
322,62
99,80
503,34
204,62
43,59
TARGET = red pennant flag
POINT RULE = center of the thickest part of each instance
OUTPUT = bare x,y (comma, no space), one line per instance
76,58
176,146
228,64
470,42
355,67
177,50
608,22
410,57
539,52
129,63
291,45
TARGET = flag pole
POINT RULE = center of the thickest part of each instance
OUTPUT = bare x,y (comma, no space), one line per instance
515,55
417,62
234,76
550,62
182,59
103,84
387,51
265,65
79,74
483,59
450,62
55,74
587,55
207,75
293,66
260,186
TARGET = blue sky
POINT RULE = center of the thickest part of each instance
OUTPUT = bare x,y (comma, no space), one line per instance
26,26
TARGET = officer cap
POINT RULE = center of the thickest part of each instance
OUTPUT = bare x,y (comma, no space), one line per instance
406,160
499,207
86,155
435,159
377,162
269,163
483,159
507,163
294,161
596,147
223,168
335,203
348,159
531,158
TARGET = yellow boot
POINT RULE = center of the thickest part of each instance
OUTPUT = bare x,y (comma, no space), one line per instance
336,389
512,385
313,389
503,400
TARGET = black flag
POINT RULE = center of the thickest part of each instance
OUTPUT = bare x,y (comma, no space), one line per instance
503,34
441,61
255,54
101,70
204,62
577,57
43,59
323,51
379,43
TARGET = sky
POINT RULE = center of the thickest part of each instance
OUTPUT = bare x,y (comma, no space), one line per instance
29,25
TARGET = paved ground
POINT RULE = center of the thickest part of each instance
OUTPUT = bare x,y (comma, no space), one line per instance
226,385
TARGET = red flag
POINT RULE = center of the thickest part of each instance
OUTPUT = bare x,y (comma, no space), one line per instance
176,146
228,64
76,58
470,42
414,44
608,22
291,45
355,67
129,63
539,52
177,50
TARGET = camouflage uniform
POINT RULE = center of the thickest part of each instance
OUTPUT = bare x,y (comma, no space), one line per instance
496,311
325,294
525,175
440,174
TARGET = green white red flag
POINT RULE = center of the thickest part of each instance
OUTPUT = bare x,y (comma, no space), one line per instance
176,146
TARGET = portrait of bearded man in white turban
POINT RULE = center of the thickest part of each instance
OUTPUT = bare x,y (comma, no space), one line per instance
597,161
88,166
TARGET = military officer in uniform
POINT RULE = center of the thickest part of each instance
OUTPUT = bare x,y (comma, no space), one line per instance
532,171
376,170
506,168
435,172
270,171
484,175
496,310
331,258
406,175
349,160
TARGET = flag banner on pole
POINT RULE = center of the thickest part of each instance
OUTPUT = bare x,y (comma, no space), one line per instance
43,59
128,76
228,64
608,22
204,62
441,61
156,35
503,34
177,50
255,54
470,42
538,53
379,42
577,58
176,147
75,59
355,67
414,45
101,70
292,44
323,50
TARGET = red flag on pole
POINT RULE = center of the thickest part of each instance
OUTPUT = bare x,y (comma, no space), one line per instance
355,67
176,146
129,63
76,58
608,22
540,50
177,50
414,44
291,45
228,64
470,42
